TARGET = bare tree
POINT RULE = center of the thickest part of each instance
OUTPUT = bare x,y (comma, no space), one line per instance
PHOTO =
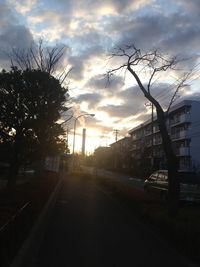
41,57
152,63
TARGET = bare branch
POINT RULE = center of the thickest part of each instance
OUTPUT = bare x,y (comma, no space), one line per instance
150,80
64,76
179,86
37,57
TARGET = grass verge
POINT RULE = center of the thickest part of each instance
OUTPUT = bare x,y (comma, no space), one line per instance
20,206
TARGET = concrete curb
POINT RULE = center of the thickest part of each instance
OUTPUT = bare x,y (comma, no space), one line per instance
30,248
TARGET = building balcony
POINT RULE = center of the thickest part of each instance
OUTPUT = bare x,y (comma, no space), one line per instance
156,129
157,154
183,151
157,141
134,148
137,156
133,137
137,137
186,165
181,119
180,135
148,133
148,144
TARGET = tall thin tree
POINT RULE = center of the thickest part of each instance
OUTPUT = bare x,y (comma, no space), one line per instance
151,63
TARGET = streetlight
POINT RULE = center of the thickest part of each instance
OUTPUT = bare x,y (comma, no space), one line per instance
85,114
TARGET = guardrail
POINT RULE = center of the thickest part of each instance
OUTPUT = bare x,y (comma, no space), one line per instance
13,232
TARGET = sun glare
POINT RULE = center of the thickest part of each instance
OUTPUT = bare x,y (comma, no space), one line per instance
94,139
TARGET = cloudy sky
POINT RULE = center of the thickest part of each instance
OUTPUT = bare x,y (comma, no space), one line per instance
91,30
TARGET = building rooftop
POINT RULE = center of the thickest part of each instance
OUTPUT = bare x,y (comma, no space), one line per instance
173,108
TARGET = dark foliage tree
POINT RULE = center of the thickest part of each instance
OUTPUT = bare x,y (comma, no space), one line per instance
41,56
30,105
151,63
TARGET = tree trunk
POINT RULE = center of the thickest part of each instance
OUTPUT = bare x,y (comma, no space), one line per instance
172,166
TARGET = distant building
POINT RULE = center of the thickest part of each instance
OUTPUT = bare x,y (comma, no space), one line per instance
120,153
183,123
102,157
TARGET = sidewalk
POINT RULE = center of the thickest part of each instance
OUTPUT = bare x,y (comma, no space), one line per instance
29,250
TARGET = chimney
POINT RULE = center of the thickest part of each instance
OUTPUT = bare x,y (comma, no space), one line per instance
83,141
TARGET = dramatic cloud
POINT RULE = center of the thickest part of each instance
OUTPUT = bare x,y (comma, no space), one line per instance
12,34
23,6
92,99
173,33
84,61
192,6
91,30
132,102
7,16
101,8
101,82
15,36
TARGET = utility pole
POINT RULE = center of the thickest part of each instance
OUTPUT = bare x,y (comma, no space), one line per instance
116,134
83,142
67,136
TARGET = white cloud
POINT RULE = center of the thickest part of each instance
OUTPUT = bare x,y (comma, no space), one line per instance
91,29
23,6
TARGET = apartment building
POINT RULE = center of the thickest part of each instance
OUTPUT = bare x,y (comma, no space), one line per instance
119,150
183,123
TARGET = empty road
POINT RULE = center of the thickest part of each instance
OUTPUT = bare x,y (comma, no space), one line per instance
123,178
89,229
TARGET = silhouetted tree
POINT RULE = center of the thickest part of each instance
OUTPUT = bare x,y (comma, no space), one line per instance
30,105
39,56
150,63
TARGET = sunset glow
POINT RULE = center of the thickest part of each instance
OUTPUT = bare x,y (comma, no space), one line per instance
91,30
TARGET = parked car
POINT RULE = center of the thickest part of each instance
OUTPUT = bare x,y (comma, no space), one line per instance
189,185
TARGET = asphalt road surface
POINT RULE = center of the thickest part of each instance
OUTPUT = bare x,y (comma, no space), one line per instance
123,178
89,229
